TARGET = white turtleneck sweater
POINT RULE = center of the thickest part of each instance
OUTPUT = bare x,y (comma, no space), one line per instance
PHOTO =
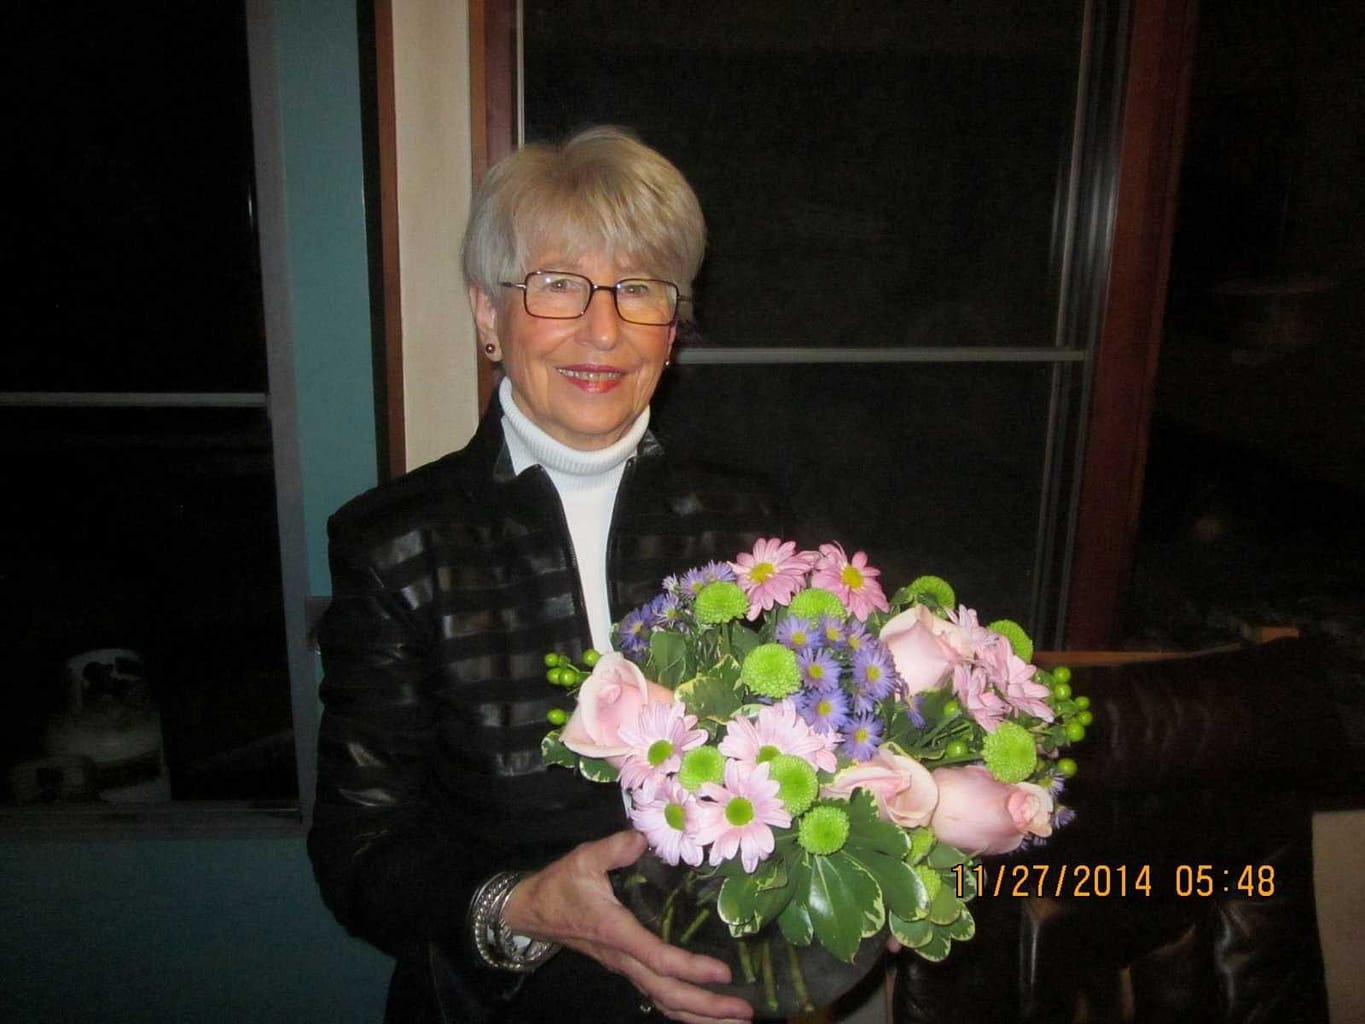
587,483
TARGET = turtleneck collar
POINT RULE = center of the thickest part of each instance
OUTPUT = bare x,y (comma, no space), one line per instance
528,445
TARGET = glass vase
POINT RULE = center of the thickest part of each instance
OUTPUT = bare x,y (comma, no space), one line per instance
779,980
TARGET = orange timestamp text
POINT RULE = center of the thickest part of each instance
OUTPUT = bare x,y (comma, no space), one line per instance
1109,881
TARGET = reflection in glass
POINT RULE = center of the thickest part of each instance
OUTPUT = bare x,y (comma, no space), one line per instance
926,467
876,175
149,532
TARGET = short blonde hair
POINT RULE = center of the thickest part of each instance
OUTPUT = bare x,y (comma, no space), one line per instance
601,189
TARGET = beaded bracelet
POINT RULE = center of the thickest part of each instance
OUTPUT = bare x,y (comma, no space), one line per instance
493,939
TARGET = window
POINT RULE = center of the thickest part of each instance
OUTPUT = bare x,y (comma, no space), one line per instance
909,211
141,573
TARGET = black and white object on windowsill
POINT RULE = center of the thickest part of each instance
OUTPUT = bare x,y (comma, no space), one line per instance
111,723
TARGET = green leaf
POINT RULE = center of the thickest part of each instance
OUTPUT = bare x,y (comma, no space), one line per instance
737,902
944,856
667,661
845,904
710,698
946,908
796,924
878,836
937,948
597,770
553,751
902,891
963,929
910,934
749,902
742,641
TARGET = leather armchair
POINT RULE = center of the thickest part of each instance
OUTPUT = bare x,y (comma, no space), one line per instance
1196,769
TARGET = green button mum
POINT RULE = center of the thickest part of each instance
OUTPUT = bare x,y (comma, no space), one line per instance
720,602
823,831
701,765
770,670
798,781
1009,752
815,602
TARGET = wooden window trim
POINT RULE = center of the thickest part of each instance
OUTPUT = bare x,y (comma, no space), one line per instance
1156,93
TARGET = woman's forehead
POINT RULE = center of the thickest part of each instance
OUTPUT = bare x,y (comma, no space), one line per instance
568,254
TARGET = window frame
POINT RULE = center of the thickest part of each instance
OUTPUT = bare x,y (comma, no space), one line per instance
238,818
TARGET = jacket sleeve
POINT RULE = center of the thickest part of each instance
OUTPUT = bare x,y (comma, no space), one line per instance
388,863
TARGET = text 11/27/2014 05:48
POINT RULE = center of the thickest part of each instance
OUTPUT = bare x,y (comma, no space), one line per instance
1109,881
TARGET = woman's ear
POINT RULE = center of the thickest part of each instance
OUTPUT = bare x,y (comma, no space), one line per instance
486,322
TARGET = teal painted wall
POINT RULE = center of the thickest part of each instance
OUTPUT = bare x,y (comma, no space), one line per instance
176,930
233,930
329,279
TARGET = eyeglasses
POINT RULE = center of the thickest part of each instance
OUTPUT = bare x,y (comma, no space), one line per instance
558,295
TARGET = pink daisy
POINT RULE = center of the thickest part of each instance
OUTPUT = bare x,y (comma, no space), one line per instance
740,815
1012,677
772,573
778,729
973,688
666,814
852,580
659,737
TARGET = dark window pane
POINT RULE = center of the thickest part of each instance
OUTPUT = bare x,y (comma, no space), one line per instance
929,468
872,175
151,531
130,250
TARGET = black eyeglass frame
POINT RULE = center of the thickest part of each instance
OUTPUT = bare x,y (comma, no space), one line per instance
593,289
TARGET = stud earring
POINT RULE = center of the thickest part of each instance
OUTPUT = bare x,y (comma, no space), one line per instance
489,348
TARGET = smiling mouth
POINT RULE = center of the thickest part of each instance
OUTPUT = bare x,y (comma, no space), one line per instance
593,376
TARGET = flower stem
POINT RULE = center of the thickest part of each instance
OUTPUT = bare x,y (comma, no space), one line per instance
765,956
666,924
798,978
746,961
691,929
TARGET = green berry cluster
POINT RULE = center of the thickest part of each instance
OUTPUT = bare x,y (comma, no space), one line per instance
561,671
1073,717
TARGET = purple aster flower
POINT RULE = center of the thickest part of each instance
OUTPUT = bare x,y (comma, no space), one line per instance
633,633
673,585
796,633
819,669
857,637
665,612
824,712
717,572
863,737
874,674
692,582
831,631
1063,817
913,712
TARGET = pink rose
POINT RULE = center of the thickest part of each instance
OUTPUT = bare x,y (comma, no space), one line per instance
903,788
609,698
978,813
922,659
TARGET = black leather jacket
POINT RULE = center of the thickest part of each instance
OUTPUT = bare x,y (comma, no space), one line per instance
449,586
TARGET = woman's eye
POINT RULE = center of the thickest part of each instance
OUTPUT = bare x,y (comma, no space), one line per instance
561,284
635,289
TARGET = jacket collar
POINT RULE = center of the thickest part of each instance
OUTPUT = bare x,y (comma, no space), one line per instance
488,456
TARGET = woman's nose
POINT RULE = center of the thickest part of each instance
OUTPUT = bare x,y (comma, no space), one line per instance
601,323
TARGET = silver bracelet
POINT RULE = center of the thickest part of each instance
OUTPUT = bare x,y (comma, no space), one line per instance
493,939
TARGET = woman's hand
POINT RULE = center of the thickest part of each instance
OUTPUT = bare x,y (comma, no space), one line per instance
571,902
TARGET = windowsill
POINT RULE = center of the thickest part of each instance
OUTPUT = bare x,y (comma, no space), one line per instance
183,820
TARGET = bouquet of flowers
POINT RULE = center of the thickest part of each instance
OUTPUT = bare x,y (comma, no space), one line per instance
819,763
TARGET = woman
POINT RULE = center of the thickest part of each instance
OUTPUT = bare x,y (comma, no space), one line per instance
438,834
